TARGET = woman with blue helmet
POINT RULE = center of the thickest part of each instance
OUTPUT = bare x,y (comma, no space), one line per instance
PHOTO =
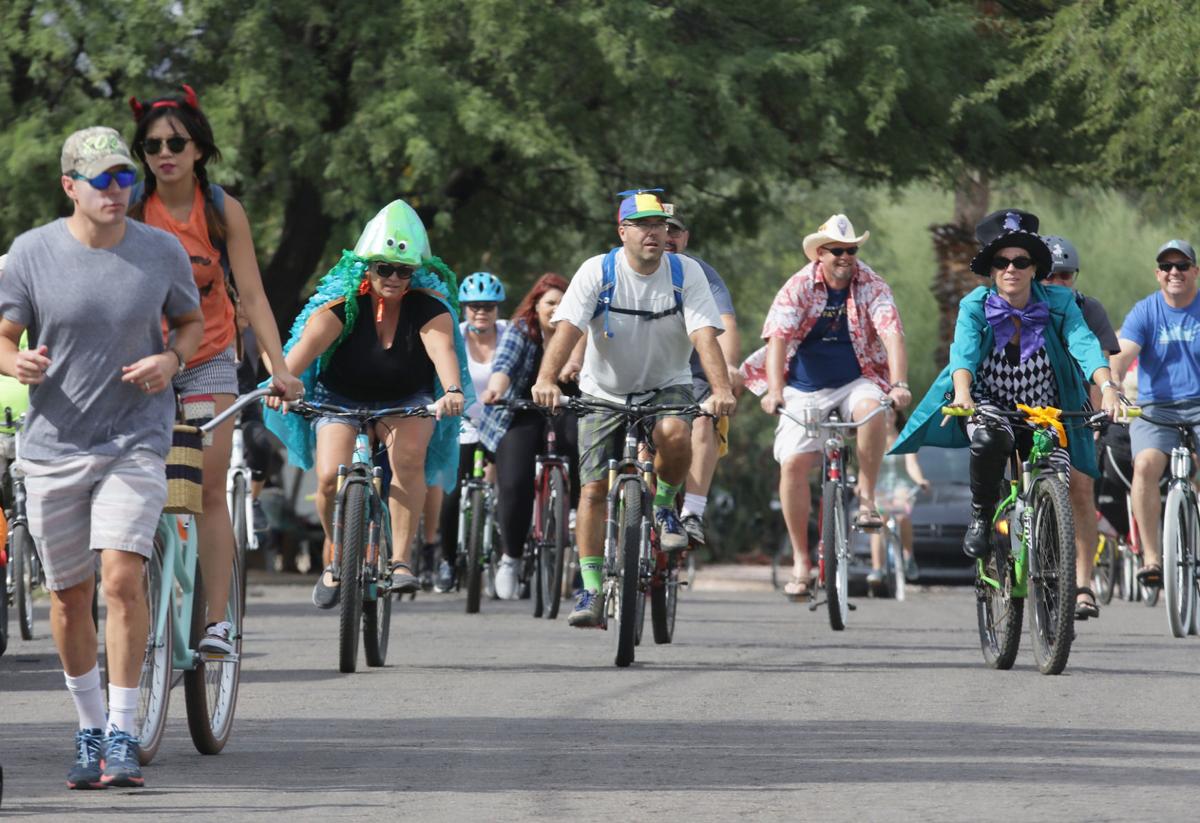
480,296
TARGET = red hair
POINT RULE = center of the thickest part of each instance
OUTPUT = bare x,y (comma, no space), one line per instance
527,309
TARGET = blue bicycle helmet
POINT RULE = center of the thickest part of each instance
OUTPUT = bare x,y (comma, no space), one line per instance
481,287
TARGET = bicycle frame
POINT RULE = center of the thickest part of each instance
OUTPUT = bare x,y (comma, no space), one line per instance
475,482
238,467
361,472
628,470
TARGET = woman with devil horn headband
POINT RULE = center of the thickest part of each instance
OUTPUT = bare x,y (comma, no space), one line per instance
174,142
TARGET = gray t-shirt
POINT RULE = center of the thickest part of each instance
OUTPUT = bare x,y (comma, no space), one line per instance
724,301
95,310
1097,320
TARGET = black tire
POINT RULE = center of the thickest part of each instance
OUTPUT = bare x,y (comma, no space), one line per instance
629,549
831,512
24,559
664,599
475,559
241,529
377,605
154,686
641,618
1178,548
554,550
1051,575
4,604
354,545
1107,571
998,613
210,687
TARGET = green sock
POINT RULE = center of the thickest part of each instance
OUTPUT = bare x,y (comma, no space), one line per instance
592,570
666,494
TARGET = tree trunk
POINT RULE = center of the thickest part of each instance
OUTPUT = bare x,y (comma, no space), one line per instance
306,231
954,245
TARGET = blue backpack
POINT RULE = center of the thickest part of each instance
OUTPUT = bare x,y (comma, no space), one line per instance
608,285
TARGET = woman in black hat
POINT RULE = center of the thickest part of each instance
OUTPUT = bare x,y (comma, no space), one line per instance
1015,342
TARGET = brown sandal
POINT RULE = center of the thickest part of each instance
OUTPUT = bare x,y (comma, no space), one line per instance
868,520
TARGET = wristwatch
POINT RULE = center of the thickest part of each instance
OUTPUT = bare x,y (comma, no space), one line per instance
453,390
178,357
900,384
1111,384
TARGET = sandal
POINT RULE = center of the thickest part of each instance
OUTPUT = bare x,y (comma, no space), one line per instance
868,520
404,582
797,588
1151,576
1086,608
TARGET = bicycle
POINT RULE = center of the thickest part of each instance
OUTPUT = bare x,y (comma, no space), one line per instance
1122,562
362,538
634,563
1039,563
23,573
833,545
474,559
176,604
241,504
1181,534
894,547
549,534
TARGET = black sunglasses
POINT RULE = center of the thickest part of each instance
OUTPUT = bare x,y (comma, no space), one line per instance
1019,263
1166,266
386,270
154,145
482,306
125,178
850,250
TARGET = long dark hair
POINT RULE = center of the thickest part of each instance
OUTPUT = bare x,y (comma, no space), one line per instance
185,110
527,308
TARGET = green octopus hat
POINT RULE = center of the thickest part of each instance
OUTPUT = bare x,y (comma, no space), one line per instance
395,235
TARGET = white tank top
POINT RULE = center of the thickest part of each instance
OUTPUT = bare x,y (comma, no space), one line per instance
480,372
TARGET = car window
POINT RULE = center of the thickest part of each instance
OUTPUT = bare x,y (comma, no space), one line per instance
943,466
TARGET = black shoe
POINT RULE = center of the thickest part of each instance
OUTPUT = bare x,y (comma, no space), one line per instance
977,542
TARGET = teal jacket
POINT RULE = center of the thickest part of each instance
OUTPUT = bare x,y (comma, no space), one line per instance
1073,351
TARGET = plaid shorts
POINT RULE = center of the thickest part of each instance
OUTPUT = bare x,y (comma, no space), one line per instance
602,436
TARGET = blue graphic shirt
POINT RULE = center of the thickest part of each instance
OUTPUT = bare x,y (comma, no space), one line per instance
1169,362
825,358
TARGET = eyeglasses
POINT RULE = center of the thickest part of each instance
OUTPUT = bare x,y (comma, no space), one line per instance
657,225
482,306
386,270
1061,275
125,178
1018,263
850,250
154,145
675,231
1167,265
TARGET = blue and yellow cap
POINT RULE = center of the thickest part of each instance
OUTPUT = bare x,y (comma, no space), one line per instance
639,203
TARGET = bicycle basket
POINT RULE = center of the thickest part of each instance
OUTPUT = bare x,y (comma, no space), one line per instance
185,464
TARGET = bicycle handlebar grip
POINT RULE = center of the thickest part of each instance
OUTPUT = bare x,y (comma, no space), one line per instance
955,411
1130,412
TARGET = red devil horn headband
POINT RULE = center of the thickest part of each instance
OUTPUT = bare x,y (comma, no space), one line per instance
189,98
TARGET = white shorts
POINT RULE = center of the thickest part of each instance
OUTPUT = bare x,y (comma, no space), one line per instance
79,505
790,438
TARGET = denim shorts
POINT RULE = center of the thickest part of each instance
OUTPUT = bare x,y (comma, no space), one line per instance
323,394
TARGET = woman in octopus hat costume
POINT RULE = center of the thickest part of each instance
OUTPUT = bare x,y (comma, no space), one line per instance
1015,341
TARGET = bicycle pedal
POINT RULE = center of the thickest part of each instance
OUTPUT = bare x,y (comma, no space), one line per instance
852,607
217,657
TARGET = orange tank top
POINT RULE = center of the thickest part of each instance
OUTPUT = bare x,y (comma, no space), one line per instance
215,304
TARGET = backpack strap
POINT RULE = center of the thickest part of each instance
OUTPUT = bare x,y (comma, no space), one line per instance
608,286
218,200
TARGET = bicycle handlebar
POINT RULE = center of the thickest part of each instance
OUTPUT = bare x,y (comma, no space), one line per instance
240,403
581,406
1091,419
306,408
884,404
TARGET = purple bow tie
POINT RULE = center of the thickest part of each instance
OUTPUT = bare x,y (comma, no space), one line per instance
1000,315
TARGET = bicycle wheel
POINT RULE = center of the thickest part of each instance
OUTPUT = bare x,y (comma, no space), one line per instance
554,544
241,528
210,687
1051,575
629,551
1178,547
664,599
1107,570
997,612
895,555
154,685
641,618
4,601
354,544
24,559
377,604
833,542
475,560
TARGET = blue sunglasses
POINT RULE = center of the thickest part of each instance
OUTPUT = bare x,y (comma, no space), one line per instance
125,178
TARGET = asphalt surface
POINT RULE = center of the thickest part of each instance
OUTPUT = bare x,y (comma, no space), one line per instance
758,710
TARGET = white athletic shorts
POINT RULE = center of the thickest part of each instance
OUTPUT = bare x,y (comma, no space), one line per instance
790,438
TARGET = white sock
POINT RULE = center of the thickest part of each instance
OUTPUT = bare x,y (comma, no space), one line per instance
89,698
122,708
694,504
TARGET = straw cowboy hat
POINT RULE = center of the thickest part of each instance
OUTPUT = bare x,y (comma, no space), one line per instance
837,229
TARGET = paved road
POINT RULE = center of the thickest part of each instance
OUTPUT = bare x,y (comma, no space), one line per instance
759,710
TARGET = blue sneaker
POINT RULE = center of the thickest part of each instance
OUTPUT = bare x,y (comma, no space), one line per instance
85,774
671,534
588,612
121,765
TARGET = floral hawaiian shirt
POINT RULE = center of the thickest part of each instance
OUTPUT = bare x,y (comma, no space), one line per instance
871,314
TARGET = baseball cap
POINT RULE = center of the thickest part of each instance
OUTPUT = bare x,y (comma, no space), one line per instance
674,220
94,150
639,203
1181,246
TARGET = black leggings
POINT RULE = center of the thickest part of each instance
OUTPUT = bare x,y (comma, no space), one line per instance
448,520
515,463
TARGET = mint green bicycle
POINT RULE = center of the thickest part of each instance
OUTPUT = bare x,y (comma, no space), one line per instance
175,595
1037,561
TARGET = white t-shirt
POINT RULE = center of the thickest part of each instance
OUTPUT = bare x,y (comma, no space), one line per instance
480,372
642,355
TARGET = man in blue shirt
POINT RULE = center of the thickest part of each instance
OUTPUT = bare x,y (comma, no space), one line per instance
1163,332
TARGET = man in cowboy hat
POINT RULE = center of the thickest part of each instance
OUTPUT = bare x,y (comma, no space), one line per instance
834,341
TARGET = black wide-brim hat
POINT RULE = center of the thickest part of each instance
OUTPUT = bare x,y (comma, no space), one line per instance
1010,228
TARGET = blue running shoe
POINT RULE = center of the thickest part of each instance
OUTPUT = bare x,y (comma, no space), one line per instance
121,766
588,612
671,534
85,774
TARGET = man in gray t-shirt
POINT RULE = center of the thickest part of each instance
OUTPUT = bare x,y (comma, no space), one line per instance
92,290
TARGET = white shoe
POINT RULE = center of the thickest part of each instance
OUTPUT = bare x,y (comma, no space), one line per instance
508,580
